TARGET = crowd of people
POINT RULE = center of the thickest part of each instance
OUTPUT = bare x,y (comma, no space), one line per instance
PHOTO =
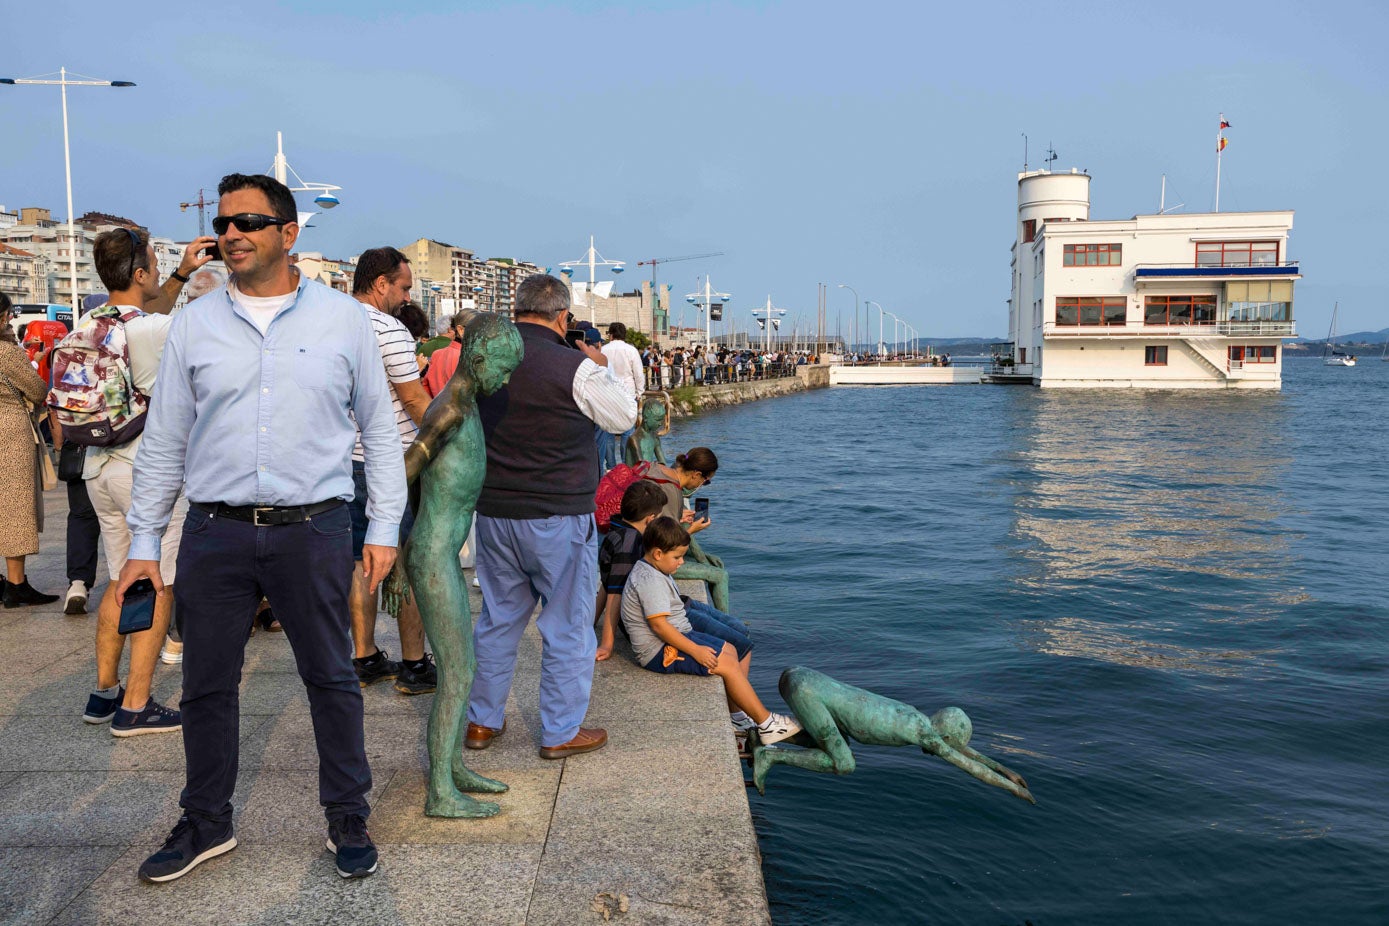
672,368
242,463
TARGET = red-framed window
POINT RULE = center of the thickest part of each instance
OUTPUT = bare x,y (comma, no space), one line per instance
1255,354
1236,253
1092,255
1179,310
1091,310
1029,230
1155,356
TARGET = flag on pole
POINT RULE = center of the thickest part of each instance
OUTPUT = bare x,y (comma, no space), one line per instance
1221,147
1224,124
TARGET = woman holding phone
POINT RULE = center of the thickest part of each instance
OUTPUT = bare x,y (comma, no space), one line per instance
691,472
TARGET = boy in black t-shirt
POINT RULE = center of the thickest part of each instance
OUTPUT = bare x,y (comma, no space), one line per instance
619,552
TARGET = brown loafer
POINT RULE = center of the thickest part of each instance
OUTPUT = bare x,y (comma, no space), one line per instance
480,737
586,740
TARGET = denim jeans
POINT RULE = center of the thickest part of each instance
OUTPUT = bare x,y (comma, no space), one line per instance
710,620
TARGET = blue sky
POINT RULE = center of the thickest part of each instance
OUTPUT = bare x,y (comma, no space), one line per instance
874,144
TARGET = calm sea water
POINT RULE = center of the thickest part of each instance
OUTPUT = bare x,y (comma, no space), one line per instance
1167,611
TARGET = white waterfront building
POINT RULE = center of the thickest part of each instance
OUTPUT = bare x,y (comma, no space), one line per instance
1174,301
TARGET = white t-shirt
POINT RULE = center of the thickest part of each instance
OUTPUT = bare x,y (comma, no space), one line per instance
262,309
144,341
398,354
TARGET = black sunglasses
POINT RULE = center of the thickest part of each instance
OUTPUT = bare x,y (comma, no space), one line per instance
245,222
135,252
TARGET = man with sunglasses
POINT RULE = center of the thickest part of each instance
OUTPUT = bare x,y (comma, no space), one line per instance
126,263
267,381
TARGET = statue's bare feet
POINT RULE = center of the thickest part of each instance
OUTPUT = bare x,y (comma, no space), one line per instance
465,779
452,803
761,763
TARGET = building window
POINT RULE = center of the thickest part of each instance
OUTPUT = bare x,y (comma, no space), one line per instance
1179,310
1093,255
1236,253
1155,356
1029,230
1254,354
1091,310
1022,355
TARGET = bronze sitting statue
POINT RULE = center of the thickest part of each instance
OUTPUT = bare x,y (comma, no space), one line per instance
449,459
652,424
831,712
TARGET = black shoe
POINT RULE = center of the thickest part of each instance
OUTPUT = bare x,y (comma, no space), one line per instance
375,668
349,840
412,682
17,596
192,842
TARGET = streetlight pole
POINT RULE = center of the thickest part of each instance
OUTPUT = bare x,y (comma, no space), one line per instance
280,170
868,302
707,298
594,260
855,292
767,314
63,82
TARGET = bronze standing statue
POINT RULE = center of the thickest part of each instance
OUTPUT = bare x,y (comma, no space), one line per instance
449,458
652,424
832,712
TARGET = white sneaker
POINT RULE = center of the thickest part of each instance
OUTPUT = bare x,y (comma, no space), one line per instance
741,722
171,653
777,727
476,582
76,601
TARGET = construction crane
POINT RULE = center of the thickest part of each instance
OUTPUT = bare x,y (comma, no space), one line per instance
656,293
666,260
202,203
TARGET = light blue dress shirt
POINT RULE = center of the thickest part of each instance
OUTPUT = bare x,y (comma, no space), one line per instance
248,419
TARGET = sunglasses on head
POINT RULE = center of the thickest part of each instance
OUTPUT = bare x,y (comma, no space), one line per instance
245,222
135,252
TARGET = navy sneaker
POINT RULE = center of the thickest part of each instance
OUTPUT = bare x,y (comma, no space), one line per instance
422,681
349,840
100,709
191,843
152,718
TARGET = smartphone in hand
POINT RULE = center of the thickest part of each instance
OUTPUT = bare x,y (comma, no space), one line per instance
137,613
701,509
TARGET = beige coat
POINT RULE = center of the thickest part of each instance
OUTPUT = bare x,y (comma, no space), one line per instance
21,503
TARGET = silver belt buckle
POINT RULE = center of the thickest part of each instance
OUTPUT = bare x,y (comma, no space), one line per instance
255,517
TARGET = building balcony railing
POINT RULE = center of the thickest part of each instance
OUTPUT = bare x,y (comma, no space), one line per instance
1187,271
1259,329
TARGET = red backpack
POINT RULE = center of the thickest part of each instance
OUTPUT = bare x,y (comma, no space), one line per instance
608,499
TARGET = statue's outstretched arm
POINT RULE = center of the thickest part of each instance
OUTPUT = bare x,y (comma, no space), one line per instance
983,772
997,766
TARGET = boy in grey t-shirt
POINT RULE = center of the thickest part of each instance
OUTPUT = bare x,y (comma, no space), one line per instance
665,641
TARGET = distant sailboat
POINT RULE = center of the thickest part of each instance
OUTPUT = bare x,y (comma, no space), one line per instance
1331,355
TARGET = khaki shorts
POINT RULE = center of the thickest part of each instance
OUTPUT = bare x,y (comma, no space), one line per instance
109,491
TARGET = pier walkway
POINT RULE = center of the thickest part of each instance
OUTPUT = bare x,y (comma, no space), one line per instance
657,821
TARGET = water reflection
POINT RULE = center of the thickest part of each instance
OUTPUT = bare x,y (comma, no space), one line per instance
1128,501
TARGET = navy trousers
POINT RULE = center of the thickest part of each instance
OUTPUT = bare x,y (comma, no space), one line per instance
84,532
224,567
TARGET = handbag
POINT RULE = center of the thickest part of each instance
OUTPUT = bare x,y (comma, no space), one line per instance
48,476
71,460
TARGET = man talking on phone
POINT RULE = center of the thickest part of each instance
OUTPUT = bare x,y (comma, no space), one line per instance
254,412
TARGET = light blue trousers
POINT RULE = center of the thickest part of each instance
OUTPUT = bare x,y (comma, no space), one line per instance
553,561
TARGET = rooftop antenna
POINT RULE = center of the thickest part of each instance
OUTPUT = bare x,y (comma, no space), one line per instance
1162,200
1051,155
1024,152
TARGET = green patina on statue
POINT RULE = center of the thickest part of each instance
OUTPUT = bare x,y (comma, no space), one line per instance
652,424
449,458
831,712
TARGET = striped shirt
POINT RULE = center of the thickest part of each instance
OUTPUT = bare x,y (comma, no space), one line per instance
398,355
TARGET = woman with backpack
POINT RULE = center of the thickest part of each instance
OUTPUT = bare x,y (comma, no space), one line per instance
21,491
